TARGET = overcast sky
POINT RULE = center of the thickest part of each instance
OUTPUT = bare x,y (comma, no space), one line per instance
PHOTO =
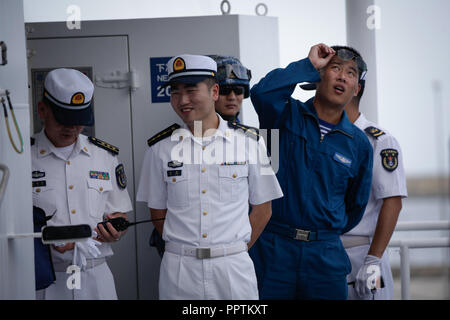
412,55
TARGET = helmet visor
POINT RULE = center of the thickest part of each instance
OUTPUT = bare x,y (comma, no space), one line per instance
233,71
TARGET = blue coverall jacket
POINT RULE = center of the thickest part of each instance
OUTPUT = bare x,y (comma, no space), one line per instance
326,185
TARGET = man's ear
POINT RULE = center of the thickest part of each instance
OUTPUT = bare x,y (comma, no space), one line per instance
357,90
215,92
42,110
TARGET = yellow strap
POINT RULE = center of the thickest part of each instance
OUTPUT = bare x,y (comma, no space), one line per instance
10,136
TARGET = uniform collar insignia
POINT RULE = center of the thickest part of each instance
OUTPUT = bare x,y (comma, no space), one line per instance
84,146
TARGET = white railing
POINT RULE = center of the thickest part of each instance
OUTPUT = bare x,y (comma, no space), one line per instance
406,244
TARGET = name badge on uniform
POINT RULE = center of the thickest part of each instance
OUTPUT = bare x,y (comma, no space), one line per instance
174,173
41,183
174,164
37,174
99,175
341,159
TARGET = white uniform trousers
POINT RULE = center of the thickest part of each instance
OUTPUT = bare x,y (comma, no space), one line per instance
357,255
96,283
189,278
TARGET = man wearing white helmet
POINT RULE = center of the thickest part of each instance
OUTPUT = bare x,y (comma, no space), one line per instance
77,180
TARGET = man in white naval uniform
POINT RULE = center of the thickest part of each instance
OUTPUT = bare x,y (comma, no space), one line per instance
204,193
77,180
366,243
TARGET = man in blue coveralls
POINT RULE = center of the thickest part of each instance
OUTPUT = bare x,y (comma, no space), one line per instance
325,173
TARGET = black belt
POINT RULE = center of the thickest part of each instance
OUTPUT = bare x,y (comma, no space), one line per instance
301,234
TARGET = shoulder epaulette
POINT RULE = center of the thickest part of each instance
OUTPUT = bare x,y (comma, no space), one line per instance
163,134
249,131
374,132
32,141
102,144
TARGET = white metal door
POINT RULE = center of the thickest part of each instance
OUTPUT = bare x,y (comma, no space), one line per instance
102,56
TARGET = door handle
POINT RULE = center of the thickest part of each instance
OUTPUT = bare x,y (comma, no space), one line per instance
3,60
4,181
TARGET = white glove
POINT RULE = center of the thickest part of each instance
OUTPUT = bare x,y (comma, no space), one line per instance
368,274
86,249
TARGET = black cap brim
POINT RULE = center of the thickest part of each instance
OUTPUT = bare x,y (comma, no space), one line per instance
68,117
187,80
308,86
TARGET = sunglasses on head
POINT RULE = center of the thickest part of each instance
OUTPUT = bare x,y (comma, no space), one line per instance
226,90
346,55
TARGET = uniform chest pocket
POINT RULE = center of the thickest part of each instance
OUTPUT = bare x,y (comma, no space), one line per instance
341,169
177,187
335,173
44,198
233,182
98,191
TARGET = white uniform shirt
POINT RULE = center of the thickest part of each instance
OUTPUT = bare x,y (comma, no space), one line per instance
207,199
78,190
385,183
